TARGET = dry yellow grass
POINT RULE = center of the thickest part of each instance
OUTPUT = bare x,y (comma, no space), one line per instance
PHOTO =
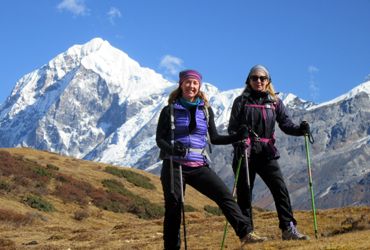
345,228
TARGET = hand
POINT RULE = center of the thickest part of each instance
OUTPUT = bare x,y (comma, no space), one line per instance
305,128
179,149
243,132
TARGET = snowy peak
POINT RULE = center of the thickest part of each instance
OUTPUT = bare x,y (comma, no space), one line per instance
95,102
90,47
294,102
123,76
362,88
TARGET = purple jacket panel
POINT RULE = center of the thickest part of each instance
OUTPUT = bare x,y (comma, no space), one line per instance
190,139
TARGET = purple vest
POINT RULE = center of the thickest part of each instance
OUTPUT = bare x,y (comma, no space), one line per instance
190,139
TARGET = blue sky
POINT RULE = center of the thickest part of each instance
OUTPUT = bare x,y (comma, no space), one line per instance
317,49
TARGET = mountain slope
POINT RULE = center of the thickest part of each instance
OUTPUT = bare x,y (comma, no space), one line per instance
94,102
76,224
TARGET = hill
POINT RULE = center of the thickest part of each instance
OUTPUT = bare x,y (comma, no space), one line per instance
49,201
94,102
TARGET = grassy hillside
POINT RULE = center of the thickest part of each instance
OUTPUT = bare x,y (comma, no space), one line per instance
48,201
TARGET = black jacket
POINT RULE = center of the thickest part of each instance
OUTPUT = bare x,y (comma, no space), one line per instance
247,110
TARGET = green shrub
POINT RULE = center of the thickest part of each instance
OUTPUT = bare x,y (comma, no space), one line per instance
52,167
116,187
135,178
39,203
189,208
116,200
4,185
41,171
135,204
213,210
144,209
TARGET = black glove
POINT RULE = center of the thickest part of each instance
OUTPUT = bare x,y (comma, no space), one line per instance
179,149
305,128
243,132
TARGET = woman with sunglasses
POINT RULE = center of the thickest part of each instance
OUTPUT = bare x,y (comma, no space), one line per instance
259,108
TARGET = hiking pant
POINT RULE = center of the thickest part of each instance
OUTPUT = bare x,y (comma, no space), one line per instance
209,184
270,173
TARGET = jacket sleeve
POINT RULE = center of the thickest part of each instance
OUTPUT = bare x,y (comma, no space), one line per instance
285,122
217,139
234,122
163,135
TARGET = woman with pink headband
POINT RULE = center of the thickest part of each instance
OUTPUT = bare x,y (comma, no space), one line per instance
182,138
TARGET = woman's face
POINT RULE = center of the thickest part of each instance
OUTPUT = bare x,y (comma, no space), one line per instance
190,88
258,80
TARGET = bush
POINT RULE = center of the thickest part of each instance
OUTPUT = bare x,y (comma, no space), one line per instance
213,210
113,202
116,187
70,193
52,167
135,204
189,208
4,185
72,190
7,244
135,178
144,209
24,172
15,218
38,203
81,215
41,171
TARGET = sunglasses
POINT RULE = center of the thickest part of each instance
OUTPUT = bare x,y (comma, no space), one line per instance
262,78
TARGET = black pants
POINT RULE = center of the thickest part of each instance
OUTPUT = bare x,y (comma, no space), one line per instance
206,182
270,173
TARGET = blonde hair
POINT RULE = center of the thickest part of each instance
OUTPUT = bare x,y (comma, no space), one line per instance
177,93
269,88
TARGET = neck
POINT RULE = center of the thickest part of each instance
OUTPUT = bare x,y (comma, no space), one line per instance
187,104
189,100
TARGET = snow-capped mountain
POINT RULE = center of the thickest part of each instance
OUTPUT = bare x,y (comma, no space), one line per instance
95,102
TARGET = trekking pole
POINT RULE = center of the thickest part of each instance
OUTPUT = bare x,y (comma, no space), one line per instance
233,193
247,172
172,181
183,206
310,139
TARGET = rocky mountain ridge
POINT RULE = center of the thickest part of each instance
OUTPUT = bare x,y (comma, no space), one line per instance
94,102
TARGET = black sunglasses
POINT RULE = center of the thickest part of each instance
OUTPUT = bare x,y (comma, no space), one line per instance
262,78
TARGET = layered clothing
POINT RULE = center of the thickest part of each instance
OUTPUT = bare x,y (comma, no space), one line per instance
260,111
191,125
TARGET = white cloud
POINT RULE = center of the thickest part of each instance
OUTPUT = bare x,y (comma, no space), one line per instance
312,69
113,13
77,7
171,64
367,78
312,84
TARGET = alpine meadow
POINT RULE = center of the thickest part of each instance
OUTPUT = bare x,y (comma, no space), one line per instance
79,166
